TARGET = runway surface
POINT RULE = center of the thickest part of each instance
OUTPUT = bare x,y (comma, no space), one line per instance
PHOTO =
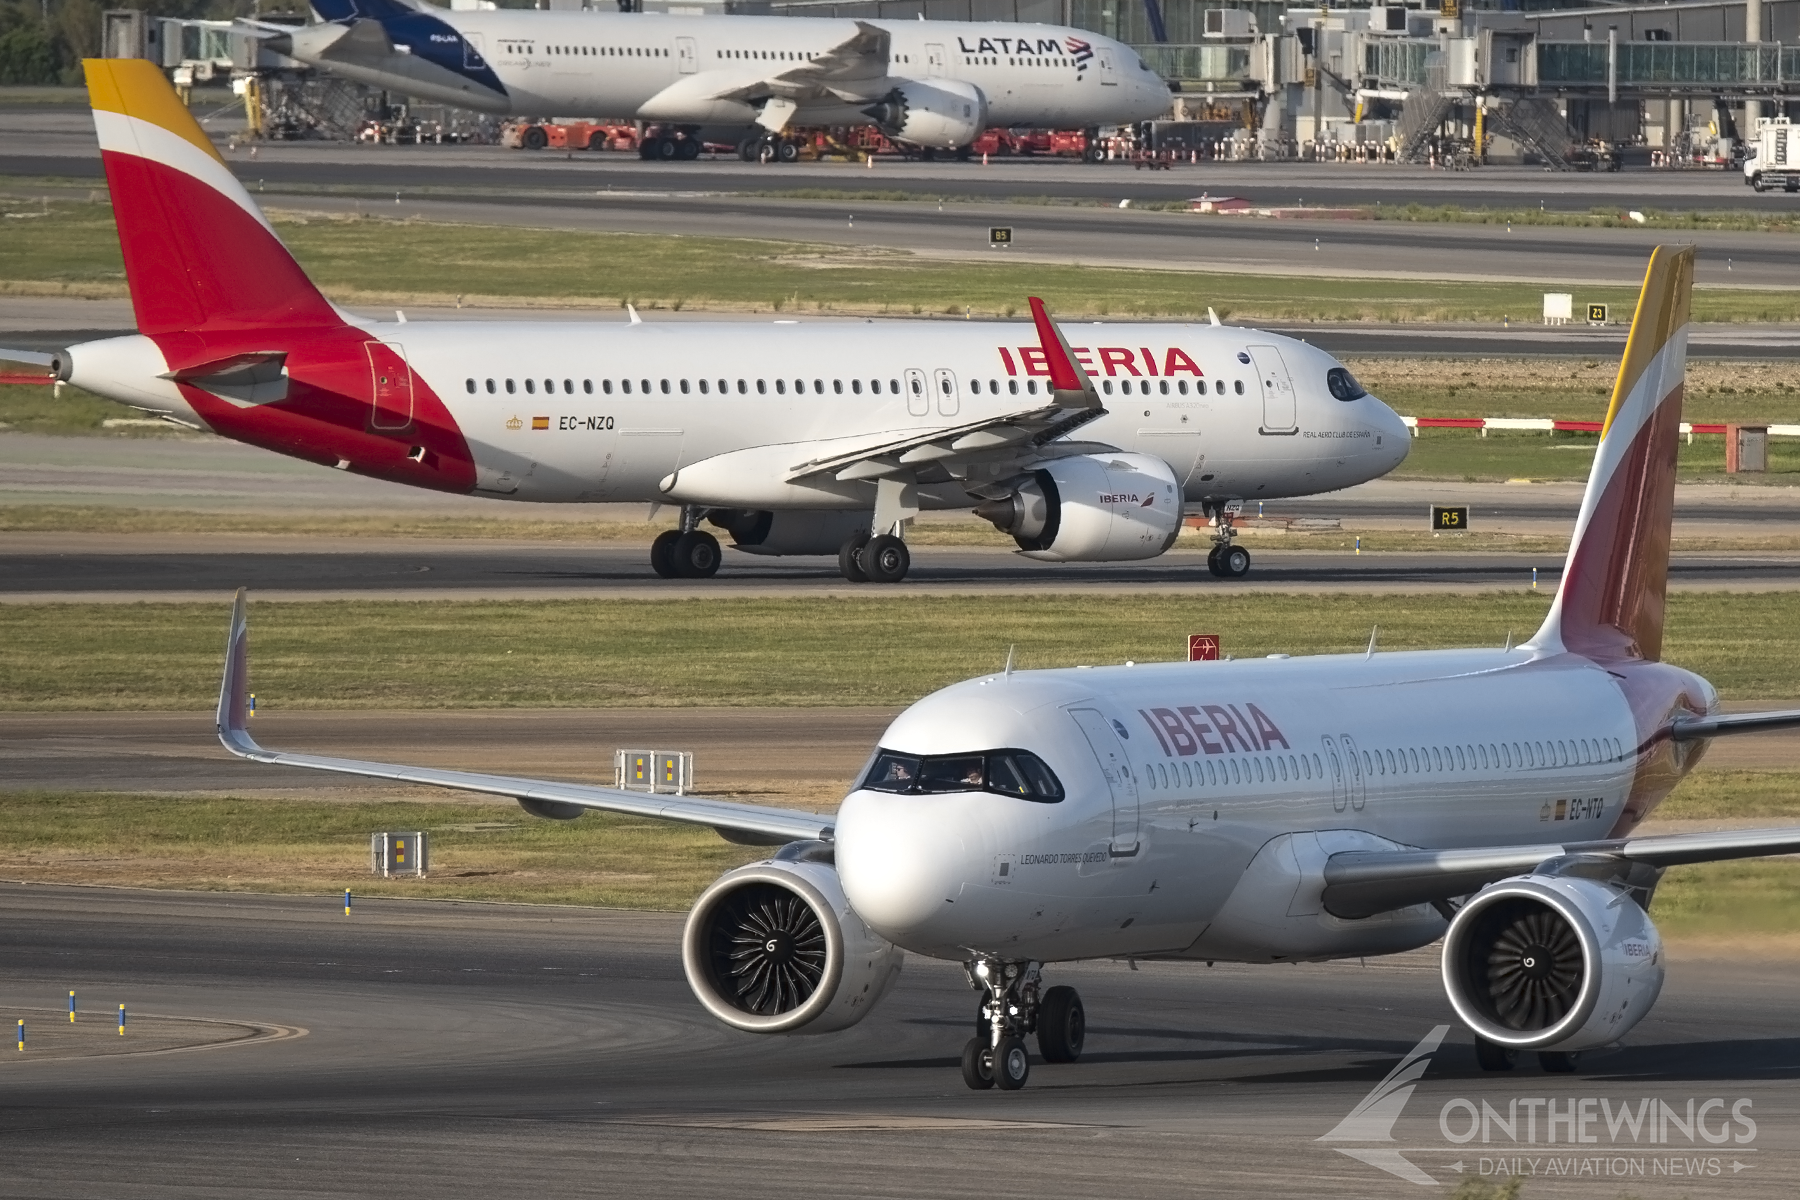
477,1050
489,185
451,570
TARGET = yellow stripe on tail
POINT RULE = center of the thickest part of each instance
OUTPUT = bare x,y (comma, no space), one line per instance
135,88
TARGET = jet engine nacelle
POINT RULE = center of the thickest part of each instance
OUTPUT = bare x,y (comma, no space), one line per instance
945,114
805,531
1092,508
775,947
1552,962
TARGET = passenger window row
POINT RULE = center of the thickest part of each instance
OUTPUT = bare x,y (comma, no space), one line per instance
685,387
1415,760
855,387
1180,386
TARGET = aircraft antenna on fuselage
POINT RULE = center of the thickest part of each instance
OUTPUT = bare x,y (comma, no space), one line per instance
1009,658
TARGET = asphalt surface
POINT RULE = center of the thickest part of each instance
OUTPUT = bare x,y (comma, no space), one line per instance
478,1050
483,184
555,570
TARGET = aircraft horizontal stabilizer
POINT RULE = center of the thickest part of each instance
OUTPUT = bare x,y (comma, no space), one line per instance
741,823
30,358
1362,883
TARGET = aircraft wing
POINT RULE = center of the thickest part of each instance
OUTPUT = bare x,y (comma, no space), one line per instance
741,823
28,357
854,69
1074,401
1361,883
1718,726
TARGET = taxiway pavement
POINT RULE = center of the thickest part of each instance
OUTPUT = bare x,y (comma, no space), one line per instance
464,1050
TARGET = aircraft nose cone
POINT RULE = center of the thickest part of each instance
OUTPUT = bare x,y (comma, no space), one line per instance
1396,438
900,860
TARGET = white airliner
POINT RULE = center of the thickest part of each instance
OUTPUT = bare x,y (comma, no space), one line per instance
797,439
934,84
1265,811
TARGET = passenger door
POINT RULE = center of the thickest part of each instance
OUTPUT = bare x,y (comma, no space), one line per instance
687,55
948,402
934,58
918,401
472,53
1340,791
1358,785
1279,412
1116,767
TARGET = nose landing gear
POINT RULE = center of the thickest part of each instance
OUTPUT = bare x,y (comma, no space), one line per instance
1226,560
1012,1007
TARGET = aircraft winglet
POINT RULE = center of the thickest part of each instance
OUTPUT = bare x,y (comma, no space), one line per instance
1068,382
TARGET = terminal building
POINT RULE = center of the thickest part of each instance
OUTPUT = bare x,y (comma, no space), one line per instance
1455,83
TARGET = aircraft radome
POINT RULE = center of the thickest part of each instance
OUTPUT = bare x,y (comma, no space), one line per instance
823,439
1265,811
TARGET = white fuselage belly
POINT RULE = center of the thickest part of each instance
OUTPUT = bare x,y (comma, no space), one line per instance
1555,764
579,445
609,64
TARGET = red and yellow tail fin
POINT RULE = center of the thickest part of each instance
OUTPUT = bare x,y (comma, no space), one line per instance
198,254
1610,605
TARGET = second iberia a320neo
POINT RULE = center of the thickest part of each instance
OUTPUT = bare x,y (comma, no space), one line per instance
1085,443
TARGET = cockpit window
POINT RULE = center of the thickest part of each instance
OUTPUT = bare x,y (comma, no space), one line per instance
1017,773
1343,384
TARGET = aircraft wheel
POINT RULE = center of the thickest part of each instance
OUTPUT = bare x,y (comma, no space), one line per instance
787,152
1494,1057
1557,1062
978,1065
695,555
662,553
1234,562
1212,562
886,559
1062,1025
650,148
1012,1065
850,559
667,149
690,149
1094,154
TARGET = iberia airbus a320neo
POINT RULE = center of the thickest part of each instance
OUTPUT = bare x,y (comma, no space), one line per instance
1267,811
795,438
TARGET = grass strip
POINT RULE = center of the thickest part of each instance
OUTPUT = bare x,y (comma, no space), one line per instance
801,652
72,249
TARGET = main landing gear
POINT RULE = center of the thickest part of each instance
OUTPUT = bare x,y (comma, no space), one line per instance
1227,560
1012,1006
882,559
688,552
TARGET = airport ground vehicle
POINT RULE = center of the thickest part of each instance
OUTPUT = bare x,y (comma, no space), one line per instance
931,84
1263,811
1773,160
822,439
